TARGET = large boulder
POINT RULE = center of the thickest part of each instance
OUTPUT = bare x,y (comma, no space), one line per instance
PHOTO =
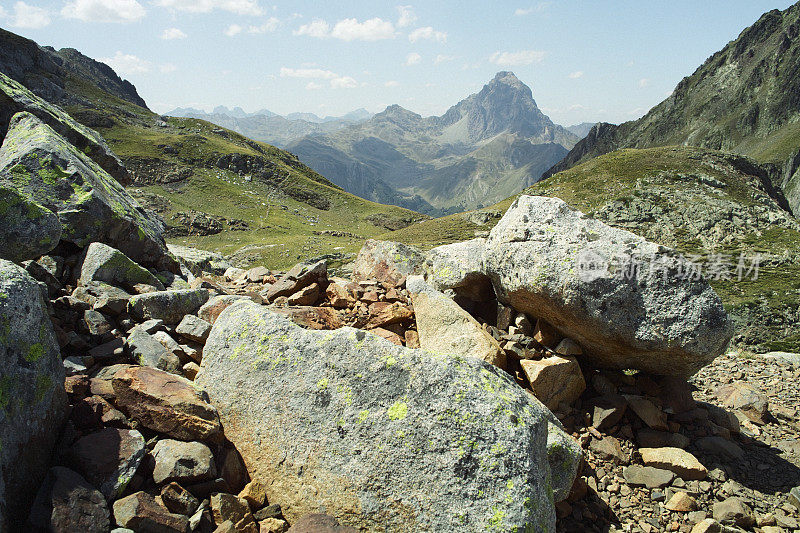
15,97
580,275
27,229
458,266
91,205
380,436
104,263
387,262
169,306
33,402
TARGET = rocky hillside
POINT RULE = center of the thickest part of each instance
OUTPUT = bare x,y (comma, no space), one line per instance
487,147
270,128
743,99
213,187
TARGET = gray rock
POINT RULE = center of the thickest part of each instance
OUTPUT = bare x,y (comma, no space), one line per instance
108,459
104,263
67,503
179,500
458,266
461,443
565,456
199,261
182,461
147,351
193,328
299,277
788,358
387,262
551,261
720,447
216,305
794,497
16,98
169,306
33,402
91,205
734,510
27,229
648,476
142,513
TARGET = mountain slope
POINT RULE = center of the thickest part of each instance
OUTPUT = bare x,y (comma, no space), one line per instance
743,99
486,147
215,188
271,128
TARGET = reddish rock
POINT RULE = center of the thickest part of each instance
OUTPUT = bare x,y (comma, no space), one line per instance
390,336
165,403
312,317
555,380
545,334
141,512
305,296
412,339
394,313
339,296
319,523
216,305
299,277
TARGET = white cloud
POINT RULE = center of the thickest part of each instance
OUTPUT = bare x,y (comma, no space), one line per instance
173,33
392,83
30,17
270,25
575,75
313,86
374,29
413,59
240,7
104,10
316,73
317,28
407,16
2,12
541,6
126,63
345,82
233,29
516,59
427,33
166,68
644,82
441,58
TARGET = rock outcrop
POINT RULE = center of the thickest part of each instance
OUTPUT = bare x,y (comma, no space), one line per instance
32,398
348,411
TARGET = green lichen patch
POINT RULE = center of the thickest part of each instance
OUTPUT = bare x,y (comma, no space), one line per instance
398,411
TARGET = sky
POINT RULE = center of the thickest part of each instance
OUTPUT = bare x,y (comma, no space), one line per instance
585,61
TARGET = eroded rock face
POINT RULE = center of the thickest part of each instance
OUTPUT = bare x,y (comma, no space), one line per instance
32,398
350,411
29,230
549,260
387,262
90,204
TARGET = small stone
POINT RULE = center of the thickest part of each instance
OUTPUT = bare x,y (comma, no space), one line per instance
147,351
545,334
568,346
169,306
681,502
193,328
681,462
794,497
273,525
709,525
270,511
394,313
305,296
227,507
555,380
179,500
648,476
182,461
255,494
734,510
609,449
608,410
108,350
339,296
66,503
745,398
109,458
190,370
96,323
141,512
648,412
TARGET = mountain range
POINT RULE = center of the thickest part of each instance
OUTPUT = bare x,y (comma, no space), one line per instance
269,127
742,99
483,149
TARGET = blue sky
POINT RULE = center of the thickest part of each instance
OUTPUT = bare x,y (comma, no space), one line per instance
584,60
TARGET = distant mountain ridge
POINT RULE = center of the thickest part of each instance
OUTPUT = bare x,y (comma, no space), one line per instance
743,99
483,149
269,127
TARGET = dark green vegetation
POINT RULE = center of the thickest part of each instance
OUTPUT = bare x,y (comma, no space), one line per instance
259,197
488,146
743,99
